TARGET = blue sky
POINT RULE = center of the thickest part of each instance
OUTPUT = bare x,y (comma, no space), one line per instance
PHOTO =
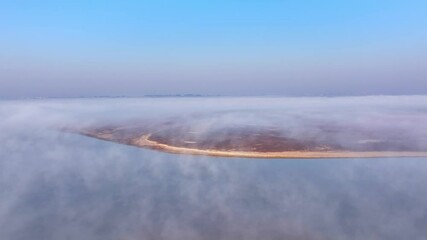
84,48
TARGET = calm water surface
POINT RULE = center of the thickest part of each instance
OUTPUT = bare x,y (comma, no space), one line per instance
62,186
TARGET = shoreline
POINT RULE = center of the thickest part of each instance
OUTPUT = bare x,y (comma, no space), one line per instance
145,142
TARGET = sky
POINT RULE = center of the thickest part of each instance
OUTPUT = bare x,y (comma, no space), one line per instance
234,47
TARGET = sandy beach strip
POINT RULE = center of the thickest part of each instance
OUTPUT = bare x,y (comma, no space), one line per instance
144,141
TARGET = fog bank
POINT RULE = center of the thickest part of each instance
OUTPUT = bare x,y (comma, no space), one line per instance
56,185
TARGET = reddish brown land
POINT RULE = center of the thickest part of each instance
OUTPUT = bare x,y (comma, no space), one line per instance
320,140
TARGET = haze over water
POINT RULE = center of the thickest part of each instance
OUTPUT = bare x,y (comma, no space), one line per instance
58,57
57,185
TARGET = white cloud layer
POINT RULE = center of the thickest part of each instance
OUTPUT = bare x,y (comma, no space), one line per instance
56,185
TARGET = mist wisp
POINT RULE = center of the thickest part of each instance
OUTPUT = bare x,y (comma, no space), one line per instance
60,185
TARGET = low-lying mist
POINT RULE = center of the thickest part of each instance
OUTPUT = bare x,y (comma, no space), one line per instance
60,185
